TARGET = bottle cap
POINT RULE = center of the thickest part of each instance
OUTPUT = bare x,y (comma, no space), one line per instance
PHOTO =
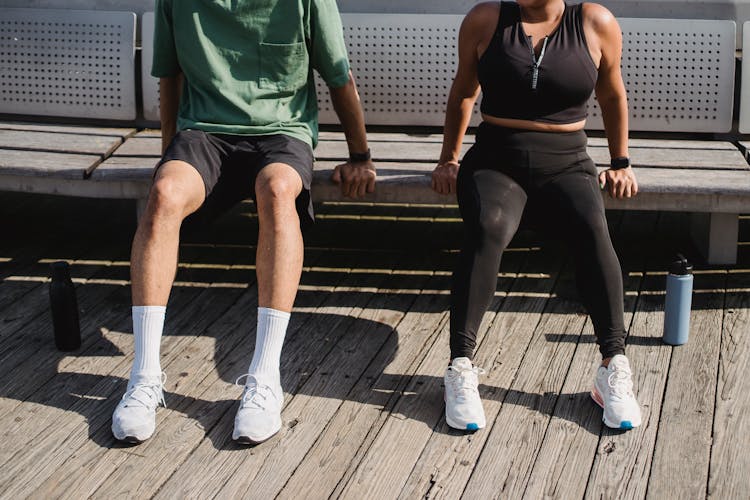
680,266
60,269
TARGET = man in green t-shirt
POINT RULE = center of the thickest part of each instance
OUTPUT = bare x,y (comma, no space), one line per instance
239,118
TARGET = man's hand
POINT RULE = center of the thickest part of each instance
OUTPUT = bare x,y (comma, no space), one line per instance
355,179
619,183
444,177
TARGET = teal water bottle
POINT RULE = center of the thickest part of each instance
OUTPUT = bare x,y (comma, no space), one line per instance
678,301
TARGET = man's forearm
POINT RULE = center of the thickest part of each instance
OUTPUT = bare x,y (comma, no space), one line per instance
169,101
349,110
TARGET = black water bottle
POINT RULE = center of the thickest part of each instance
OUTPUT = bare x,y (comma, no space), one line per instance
62,298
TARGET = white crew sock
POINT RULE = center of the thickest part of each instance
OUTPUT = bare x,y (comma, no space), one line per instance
148,323
269,339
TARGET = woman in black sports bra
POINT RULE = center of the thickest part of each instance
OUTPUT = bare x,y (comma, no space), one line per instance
537,63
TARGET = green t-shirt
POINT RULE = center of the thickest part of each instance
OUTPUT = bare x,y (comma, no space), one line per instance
248,63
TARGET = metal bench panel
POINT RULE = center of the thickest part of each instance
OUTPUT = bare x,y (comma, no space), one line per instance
150,84
70,63
679,74
404,66
744,127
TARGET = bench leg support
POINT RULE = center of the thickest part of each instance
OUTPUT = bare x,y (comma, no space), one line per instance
716,236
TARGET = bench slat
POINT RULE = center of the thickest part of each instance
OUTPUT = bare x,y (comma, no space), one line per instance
61,143
46,164
69,129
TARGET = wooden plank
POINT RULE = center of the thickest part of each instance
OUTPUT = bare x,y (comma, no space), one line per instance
623,461
668,144
385,384
338,314
318,399
68,129
202,390
730,462
642,157
385,469
530,401
118,168
141,145
372,396
52,142
377,137
332,320
410,151
200,307
679,159
36,163
680,466
564,461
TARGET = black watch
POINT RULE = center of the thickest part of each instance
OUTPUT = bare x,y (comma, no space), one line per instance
619,163
360,157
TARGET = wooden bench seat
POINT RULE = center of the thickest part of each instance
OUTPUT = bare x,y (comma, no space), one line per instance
58,159
708,177
679,76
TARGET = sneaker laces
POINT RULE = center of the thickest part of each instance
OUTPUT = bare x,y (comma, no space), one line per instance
147,395
462,384
255,394
620,382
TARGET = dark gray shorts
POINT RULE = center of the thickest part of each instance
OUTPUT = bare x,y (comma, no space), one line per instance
229,165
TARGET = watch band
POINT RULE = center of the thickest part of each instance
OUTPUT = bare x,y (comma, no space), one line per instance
359,157
619,163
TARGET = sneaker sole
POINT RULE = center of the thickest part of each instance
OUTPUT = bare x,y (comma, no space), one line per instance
250,441
472,426
132,440
625,425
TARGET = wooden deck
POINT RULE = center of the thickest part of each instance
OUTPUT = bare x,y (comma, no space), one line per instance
362,366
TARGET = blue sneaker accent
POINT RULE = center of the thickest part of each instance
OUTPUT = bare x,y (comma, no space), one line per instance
472,427
626,425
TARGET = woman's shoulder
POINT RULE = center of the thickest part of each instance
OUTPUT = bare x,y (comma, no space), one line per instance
483,16
599,17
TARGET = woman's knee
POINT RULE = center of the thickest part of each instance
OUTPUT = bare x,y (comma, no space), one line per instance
496,226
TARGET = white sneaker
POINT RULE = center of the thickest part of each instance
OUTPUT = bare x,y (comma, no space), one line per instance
259,415
134,419
613,391
463,406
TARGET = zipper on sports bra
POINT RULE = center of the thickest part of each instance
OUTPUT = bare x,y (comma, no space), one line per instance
537,62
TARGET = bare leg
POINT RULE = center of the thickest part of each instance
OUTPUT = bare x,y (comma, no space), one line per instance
280,247
278,267
178,191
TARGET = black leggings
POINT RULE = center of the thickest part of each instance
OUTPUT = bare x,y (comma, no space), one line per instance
506,170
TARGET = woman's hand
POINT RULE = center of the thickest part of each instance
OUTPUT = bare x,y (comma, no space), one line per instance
619,183
444,177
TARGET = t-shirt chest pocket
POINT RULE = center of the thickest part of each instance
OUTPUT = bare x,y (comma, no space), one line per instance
283,66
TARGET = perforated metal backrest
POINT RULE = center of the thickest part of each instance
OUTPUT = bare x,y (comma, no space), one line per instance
150,84
745,83
404,65
679,75
70,63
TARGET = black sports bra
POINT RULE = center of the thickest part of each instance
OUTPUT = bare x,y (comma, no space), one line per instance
553,87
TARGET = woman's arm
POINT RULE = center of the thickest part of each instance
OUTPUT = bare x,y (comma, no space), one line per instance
463,93
613,101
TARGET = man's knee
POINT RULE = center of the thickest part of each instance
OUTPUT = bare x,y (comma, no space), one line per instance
277,186
176,194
